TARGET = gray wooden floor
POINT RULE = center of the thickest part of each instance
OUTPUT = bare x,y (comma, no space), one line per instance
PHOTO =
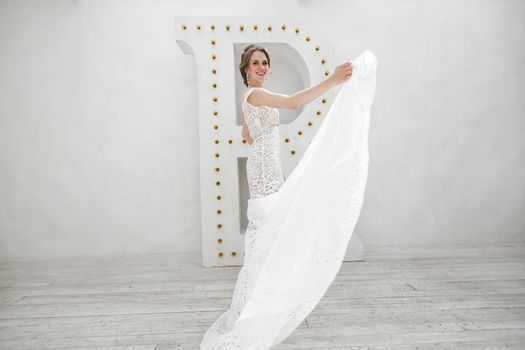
419,297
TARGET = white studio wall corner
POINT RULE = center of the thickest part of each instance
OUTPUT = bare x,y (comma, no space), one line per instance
216,43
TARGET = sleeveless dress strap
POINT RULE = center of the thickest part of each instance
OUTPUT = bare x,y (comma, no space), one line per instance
247,93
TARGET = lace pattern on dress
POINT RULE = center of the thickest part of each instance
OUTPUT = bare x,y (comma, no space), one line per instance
263,167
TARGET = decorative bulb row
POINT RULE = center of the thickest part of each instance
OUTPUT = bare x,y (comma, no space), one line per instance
215,99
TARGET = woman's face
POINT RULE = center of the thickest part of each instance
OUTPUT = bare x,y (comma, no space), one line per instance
257,68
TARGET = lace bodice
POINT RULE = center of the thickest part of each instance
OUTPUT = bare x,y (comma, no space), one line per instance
263,167
260,119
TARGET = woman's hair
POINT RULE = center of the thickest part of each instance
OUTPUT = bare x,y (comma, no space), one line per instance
245,59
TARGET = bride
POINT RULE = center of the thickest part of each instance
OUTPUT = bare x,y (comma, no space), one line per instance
298,229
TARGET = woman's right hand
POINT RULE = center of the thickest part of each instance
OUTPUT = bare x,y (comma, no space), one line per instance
342,73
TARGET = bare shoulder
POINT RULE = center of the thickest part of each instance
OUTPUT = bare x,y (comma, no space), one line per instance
263,97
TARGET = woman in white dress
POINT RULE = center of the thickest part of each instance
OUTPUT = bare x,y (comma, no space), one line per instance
261,117
293,244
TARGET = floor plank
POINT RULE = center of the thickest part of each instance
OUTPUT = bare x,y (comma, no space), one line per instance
435,297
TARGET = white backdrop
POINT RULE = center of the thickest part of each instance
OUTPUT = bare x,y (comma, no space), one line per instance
99,130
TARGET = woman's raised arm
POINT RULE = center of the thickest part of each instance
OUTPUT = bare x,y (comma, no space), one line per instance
263,97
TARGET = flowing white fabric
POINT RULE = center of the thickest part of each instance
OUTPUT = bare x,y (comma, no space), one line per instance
297,236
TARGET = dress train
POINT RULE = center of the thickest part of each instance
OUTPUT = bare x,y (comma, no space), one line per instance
297,237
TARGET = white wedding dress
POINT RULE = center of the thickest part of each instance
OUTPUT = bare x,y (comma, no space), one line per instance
298,229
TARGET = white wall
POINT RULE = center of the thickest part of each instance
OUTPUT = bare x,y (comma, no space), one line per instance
98,121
